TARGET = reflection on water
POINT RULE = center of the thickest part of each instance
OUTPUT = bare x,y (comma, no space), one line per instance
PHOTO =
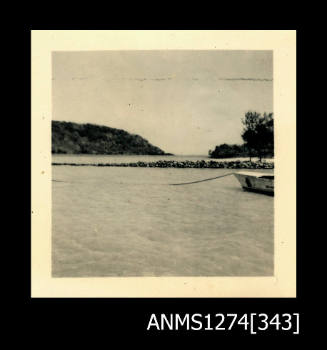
130,222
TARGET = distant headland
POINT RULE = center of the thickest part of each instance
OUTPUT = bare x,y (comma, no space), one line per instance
74,138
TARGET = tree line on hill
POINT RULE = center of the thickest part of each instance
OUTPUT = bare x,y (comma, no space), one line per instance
73,138
258,137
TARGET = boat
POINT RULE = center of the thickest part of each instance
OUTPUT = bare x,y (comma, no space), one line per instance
256,181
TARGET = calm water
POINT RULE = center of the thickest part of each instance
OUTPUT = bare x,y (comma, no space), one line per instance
112,221
68,158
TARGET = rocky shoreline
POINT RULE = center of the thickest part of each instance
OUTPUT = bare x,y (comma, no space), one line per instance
184,164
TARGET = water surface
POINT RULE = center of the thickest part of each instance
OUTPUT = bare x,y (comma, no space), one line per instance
87,158
112,221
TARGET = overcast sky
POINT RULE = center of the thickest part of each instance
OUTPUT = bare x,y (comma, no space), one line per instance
185,102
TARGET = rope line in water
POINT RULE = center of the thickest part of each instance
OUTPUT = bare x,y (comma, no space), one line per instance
183,183
194,182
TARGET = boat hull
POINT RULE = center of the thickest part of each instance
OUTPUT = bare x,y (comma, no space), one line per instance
254,183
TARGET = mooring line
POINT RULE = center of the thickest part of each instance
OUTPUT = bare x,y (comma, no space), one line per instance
194,182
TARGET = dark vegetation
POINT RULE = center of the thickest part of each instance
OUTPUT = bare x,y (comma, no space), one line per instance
229,151
73,138
258,137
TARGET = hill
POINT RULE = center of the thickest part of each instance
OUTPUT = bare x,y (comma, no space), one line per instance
73,138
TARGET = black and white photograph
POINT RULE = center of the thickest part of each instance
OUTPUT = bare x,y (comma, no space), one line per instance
163,163
136,137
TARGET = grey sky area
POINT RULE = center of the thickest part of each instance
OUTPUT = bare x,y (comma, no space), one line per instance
185,102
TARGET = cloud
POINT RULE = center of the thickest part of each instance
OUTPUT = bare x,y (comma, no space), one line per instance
247,79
